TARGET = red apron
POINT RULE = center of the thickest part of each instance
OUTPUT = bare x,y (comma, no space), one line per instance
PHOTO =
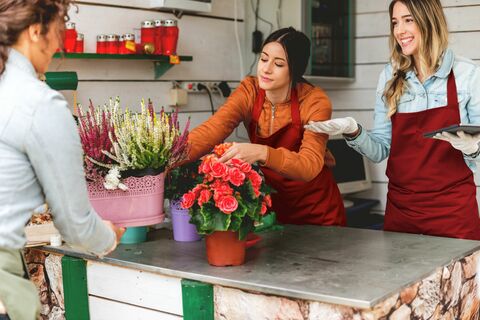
297,202
431,189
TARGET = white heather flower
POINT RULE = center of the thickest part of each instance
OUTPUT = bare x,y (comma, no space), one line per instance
112,180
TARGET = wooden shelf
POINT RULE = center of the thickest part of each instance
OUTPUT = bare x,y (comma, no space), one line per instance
161,63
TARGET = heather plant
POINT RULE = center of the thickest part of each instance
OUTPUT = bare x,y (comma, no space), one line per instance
97,134
148,140
115,142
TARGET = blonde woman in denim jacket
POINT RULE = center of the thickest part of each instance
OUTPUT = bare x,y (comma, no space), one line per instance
40,151
431,189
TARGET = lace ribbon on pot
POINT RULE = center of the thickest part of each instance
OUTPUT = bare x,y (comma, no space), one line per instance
136,186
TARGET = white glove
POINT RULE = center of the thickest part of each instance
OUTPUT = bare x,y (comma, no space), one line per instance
466,143
334,127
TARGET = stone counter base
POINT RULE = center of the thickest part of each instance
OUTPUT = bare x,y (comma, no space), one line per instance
447,294
45,271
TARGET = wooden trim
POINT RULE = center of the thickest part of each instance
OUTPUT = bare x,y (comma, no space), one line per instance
75,288
197,299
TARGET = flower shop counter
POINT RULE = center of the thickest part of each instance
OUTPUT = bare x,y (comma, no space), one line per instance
302,272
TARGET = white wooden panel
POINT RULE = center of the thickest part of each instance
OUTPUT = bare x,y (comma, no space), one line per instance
458,19
375,50
365,6
135,287
132,92
466,44
352,99
372,24
211,42
102,309
366,77
463,18
371,50
220,8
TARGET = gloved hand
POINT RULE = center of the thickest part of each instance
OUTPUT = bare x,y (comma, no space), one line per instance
334,127
462,141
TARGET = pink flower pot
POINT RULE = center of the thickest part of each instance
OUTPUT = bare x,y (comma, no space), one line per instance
140,205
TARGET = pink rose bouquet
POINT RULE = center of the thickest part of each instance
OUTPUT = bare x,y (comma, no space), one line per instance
231,197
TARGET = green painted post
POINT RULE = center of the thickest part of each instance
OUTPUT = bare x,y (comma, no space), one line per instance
75,291
197,300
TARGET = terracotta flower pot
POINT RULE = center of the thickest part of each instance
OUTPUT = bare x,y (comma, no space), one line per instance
224,249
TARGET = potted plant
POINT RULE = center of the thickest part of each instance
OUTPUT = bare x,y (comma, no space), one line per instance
179,181
225,206
126,155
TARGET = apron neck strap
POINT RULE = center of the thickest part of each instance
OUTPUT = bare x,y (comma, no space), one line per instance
452,97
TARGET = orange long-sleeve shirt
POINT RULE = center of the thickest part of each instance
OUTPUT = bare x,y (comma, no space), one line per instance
305,164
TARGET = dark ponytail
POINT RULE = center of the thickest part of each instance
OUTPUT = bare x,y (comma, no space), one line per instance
18,15
297,49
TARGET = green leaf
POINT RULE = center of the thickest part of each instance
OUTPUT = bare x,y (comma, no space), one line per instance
199,221
245,228
236,222
268,222
221,221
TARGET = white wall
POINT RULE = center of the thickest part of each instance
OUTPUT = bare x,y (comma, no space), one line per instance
209,38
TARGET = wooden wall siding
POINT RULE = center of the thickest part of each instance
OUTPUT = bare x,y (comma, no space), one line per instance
211,42
208,37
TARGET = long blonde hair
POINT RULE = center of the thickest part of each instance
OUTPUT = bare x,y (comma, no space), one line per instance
431,21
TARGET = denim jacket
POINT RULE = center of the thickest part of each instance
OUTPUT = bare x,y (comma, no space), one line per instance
41,161
375,144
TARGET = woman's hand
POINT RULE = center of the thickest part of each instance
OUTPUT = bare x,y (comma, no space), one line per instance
119,231
247,152
346,126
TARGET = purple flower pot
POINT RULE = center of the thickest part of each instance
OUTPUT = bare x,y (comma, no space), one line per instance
182,230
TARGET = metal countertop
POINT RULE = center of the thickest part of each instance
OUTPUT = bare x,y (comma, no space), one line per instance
353,267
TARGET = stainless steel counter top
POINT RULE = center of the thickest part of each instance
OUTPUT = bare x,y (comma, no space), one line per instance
352,267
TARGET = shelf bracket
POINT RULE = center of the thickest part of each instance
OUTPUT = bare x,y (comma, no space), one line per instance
161,68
